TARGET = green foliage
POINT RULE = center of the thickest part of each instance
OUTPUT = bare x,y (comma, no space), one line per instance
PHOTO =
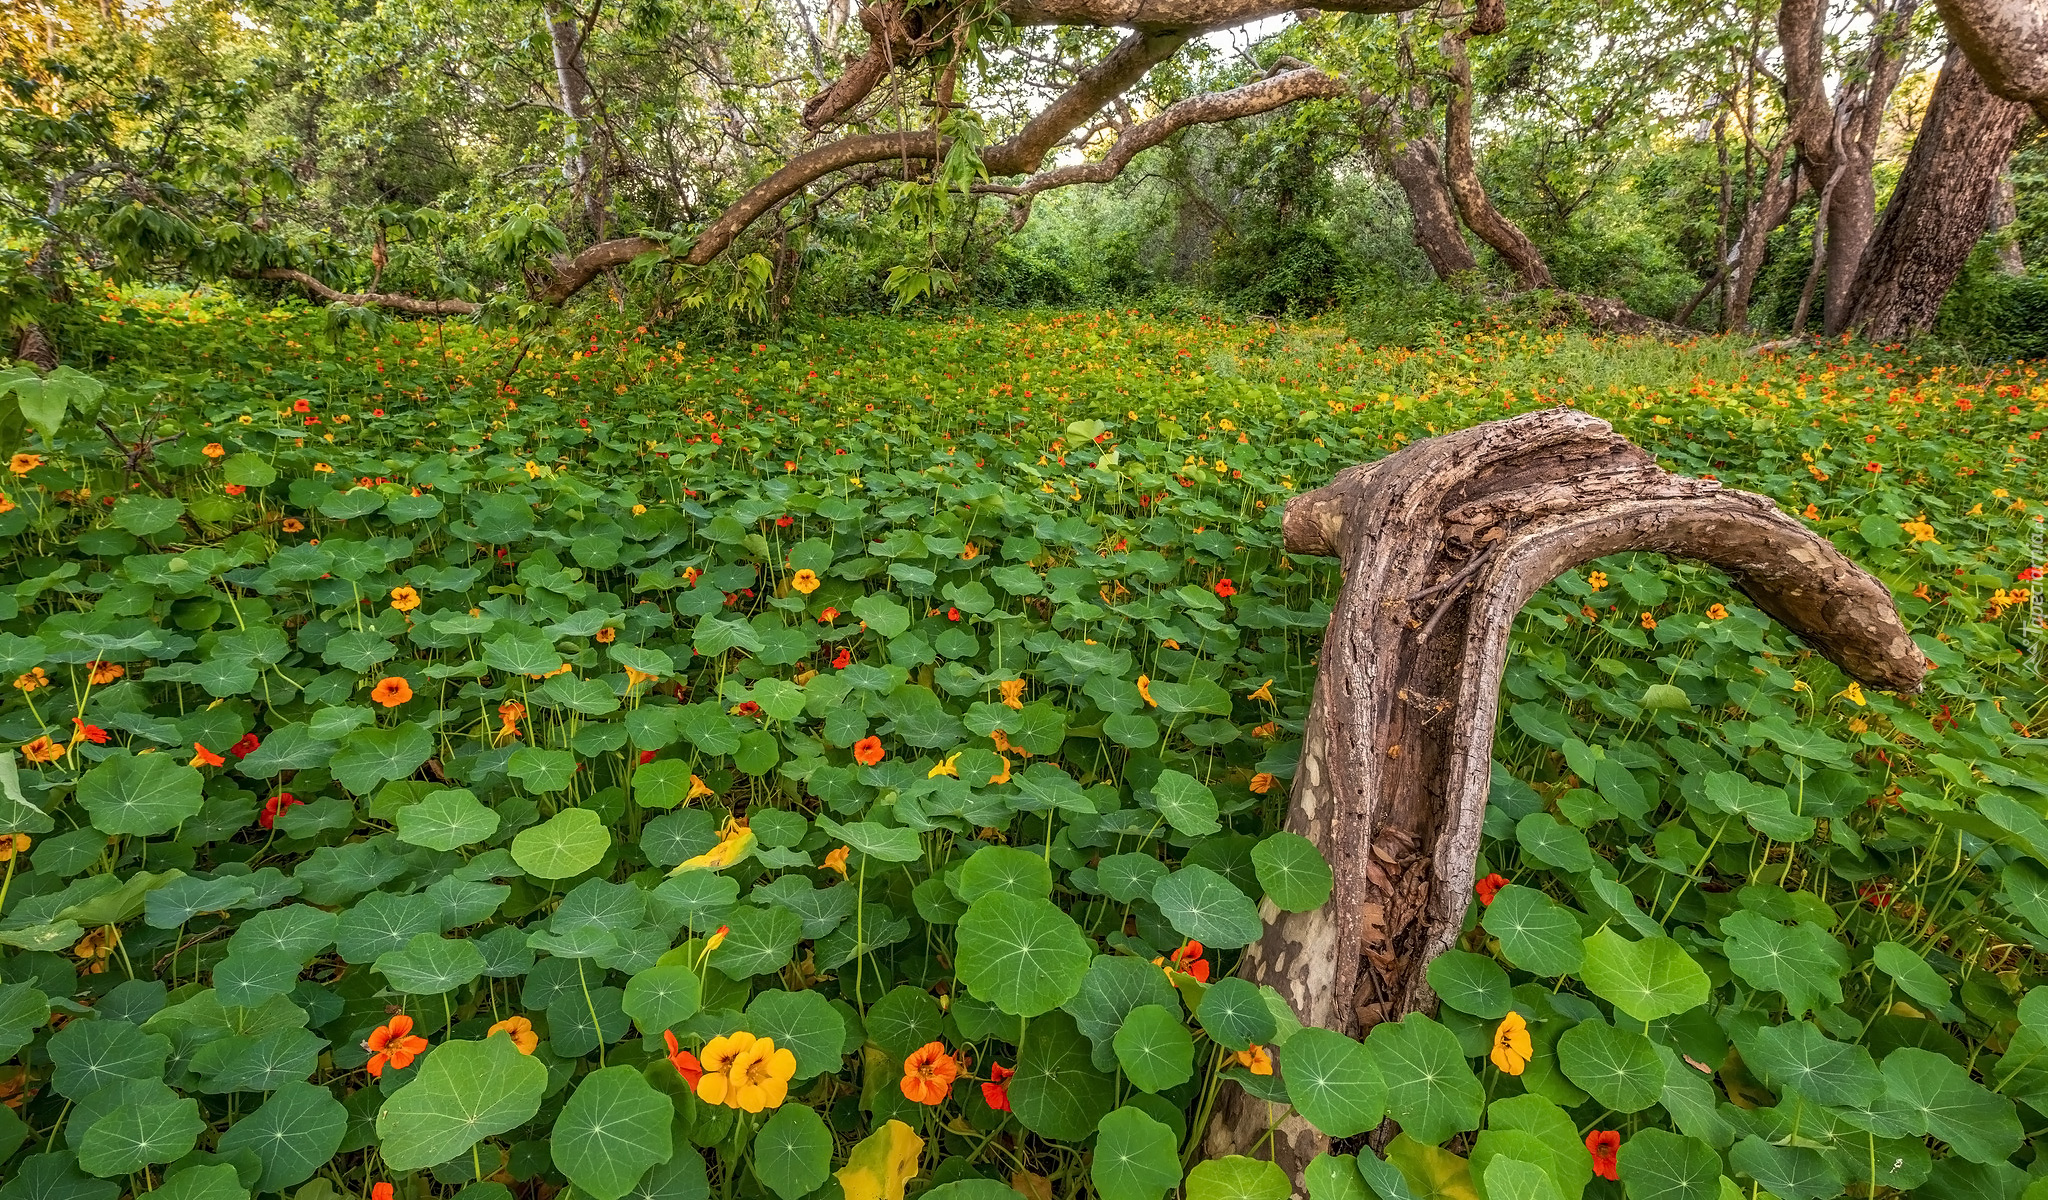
1770,929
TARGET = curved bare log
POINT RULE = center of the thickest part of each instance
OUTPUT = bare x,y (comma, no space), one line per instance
412,305
1442,543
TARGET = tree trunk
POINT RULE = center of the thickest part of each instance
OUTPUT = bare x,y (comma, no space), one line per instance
1396,753
2007,41
1462,174
1852,209
1414,165
1939,209
573,81
1765,213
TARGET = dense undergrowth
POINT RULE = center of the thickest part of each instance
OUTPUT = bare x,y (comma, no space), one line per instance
450,758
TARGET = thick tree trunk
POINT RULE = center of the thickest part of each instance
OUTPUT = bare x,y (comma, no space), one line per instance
1442,543
1852,209
1414,164
2007,41
1461,172
1939,209
565,36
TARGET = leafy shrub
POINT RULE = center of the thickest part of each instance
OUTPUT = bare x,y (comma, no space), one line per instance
496,764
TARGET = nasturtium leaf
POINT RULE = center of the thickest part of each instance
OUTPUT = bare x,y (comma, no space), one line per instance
1798,1056
1136,1157
565,845
805,1024
90,1054
446,820
881,1163
1057,1092
431,965
1235,1177
1535,1130
1128,877
1234,1014
1536,933
1112,986
613,1129
1429,1088
1186,802
542,770
1656,1164
1024,956
1929,1093
293,1134
1619,1068
1803,962
1914,977
1333,1082
145,516
140,1133
1004,869
142,794
1785,1172
682,1177
368,757
218,1181
1206,907
662,997
757,941
465,1091
1335,1177
1554,843
1155,1049
1646,979
793,1152
1514,1179
1471,983
1293,872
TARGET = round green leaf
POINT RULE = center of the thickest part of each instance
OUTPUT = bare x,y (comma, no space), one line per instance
1471,983
1136,1157
138,1134
1293,872
1234,1013
1057,1092
220,1181
143,794
1429,1088
1798,1056
662,997
1536,933
1929,1093
1620,1069
1332,1082
1656,1164
1004,869
611,1131
1648,979
1235,1177
147,515
804,1023
793,1152
565,845
293,1134
1186,802
1022,955
1155,1049
430,965
447,820
1514,1179
1535,1130
465,1092
1803,962
1204,906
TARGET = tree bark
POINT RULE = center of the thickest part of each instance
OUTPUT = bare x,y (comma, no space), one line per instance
2007,41
1765,213
1396,752
1939,209
1414,164
1852,207
1461,173
565,36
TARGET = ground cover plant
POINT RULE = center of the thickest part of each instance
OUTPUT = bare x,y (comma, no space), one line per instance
457,763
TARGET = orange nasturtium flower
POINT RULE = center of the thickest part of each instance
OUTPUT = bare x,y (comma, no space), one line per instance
1263,692
510,713
32,679
205,757
96,947
1263,782
836,861
1145,690
1002,776
971,553
1649,620
42,750
1257,1060
699,790
520,1030
404,599
391,691
1512,1048
22,464
394,1044
734,840
106,672
214,450
683,1061
1013,693
636,677
868,751
1716,612
293,525
382,1190
928,1074
12,844
805,581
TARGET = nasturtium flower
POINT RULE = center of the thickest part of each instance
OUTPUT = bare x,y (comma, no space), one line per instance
760,1076
1225,588
206,758
244,746
82,732
382,1190
635,677
1145,690
1187,960
1605,1147
391,691
1649,620
683,1061
868,751
734,840
393,1044
1597,580
1257,1060
928,1074
96,947
22,464
12,844
32,679
996,1092
1490,887
1853,694
275,807
1263,782
42,750
404,599
1013,693
947,766
717,1061
1512,1048
105,672
805,581
836,861
213,450
699,790
520,1030
1262,692
607,636
1002,776
843,659
1716,612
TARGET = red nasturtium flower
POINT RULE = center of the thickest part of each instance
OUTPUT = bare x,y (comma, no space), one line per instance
868,751
1187,960
928,1074
997,1090
90,733
382,1191
245,746
1489,887
275,806
1225,588
1605,1147
683,1061
843,659
394,1044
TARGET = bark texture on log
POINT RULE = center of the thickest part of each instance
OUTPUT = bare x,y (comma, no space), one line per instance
1940,207
1442,543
